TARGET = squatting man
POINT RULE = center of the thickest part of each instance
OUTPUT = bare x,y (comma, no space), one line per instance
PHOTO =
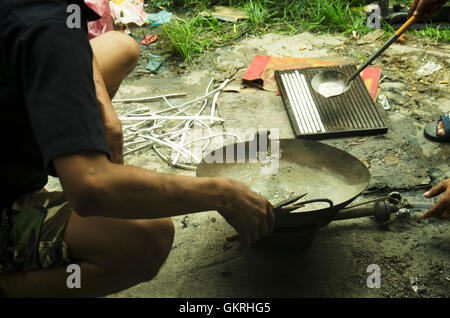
112,220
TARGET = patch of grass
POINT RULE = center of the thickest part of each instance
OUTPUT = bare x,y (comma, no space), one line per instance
436,34
191,38
257,13
195,35
333,16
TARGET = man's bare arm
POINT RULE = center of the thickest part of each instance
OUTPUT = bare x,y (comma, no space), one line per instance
97,187
111,122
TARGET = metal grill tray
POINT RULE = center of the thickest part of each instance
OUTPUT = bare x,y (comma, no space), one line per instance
354,113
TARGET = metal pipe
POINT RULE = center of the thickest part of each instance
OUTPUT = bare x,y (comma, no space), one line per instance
354,213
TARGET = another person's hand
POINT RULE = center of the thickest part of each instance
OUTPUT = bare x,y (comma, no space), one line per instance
441,209
423,9
249,213
114,140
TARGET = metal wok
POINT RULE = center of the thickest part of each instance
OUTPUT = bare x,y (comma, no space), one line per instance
279,169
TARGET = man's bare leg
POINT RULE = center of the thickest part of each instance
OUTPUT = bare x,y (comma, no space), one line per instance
117,55
113,255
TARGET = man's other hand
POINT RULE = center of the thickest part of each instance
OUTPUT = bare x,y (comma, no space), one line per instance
249,213
114,140
441,209
424,9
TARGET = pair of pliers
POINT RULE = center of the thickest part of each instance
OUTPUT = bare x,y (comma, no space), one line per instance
281,208
289,205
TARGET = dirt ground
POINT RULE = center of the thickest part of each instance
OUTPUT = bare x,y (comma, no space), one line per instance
413,255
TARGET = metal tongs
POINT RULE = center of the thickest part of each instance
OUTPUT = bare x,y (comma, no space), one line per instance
286,207
291,204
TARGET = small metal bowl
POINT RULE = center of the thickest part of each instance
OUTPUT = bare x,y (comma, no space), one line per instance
330,83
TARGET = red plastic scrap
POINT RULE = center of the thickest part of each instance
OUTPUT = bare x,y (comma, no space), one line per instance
149,39
261,72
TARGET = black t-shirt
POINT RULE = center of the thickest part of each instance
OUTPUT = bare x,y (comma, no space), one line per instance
48,104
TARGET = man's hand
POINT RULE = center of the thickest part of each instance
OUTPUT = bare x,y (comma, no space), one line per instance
423,9
249,213
114,140
441,209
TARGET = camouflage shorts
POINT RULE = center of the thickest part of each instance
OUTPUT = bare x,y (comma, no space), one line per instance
31,232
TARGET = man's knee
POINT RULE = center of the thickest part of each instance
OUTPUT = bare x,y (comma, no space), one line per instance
130,49
126,49
162,233
156,241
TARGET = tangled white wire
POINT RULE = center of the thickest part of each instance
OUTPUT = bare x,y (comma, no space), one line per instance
141,127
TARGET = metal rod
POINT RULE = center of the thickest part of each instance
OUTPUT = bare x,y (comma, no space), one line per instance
388,43
175,117
183,137
143,99
189,124
302,101
137,148
293,107
308,104
216,96
164,158
212,136
301,115
300,105
202,97
137,110
313,105
175,138
172,145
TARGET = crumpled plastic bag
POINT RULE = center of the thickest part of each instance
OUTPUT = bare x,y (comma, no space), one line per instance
155,63
128,11
384,101
428,69
159,18
105,24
